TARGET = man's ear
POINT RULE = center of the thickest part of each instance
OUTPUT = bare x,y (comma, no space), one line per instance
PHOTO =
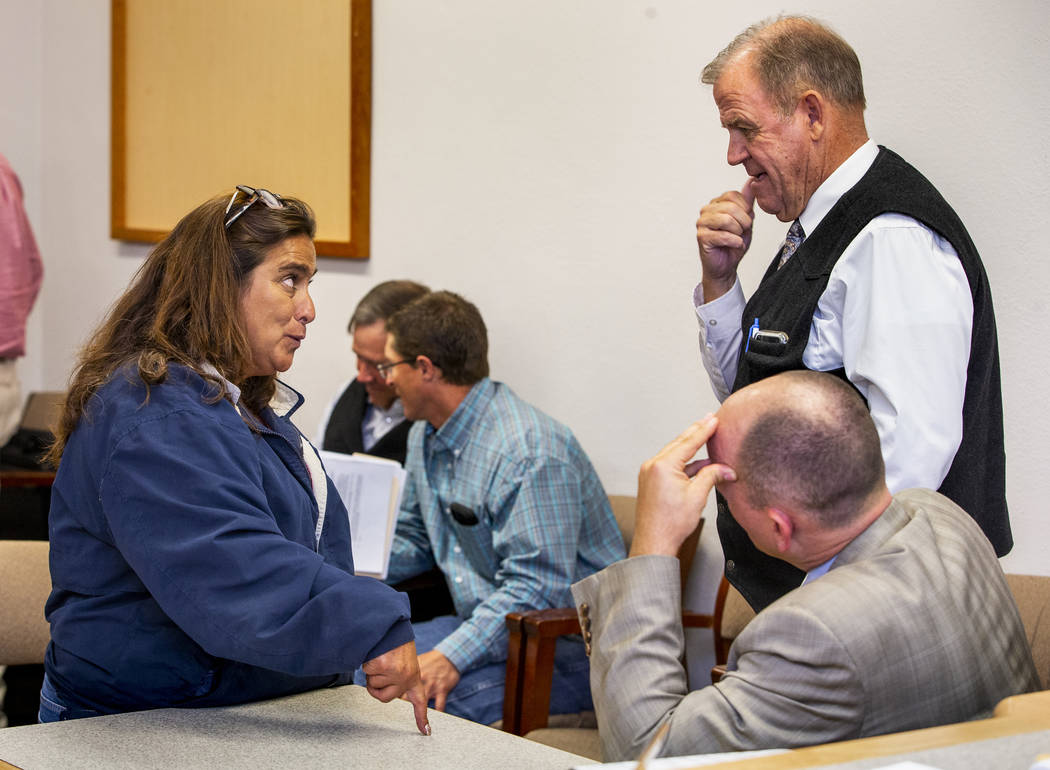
783,528
427,369
813,109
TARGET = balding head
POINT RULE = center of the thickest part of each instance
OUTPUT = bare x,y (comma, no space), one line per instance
803,441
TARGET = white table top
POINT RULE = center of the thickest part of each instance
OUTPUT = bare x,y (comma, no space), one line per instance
338,727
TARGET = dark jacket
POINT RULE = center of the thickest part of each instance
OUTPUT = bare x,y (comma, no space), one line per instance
343,431
184,561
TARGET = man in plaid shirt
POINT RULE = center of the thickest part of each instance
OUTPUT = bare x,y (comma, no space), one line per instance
500,496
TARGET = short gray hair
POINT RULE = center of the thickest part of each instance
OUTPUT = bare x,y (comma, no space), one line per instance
793,54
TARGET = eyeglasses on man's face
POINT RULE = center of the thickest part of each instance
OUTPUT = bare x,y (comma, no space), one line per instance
366,364
369,369
252,194
384,369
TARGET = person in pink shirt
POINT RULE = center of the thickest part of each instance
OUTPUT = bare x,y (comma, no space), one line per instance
21,272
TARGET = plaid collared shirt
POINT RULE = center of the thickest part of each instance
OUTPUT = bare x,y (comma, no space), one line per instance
544,519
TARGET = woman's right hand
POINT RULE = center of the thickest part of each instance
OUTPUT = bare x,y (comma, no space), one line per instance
395,674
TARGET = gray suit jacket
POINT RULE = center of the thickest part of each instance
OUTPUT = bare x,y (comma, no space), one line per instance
913,626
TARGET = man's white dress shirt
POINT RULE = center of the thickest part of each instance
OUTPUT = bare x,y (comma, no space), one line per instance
896,315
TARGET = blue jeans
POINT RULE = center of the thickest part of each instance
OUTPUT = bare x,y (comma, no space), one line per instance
52,709
479,694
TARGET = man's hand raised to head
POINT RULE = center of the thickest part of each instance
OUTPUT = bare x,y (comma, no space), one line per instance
723,233
672,491
395,674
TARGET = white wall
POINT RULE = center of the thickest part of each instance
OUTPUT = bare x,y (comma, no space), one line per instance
547,159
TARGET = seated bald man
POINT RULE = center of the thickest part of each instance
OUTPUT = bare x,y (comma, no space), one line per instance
904,619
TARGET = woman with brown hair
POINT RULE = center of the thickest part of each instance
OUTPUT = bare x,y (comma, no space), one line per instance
199,554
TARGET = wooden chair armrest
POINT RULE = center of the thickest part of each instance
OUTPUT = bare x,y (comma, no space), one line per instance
692,619
560,621
530,662
717,672
532,637
515,669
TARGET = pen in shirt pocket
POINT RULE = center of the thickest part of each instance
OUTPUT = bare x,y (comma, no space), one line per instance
751,335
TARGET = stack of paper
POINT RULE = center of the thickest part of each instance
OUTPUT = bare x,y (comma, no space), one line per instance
371,489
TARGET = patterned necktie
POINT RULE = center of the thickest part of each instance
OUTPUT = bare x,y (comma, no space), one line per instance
791,243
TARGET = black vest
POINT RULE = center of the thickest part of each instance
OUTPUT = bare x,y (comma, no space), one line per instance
343,432
785,301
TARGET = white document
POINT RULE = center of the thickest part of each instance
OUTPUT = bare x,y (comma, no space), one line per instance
371,489
680,763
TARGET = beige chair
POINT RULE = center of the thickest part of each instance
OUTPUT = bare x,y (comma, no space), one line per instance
1032,594
25,583
43,409
530,659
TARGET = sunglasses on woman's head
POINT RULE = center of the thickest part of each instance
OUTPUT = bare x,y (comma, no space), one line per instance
272,200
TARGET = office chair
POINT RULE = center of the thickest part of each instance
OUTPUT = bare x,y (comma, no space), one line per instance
25,584
1032,595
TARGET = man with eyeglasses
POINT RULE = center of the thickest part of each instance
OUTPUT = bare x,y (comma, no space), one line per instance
367,416
500,496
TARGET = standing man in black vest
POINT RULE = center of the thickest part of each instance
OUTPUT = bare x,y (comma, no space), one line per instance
367,415
877,281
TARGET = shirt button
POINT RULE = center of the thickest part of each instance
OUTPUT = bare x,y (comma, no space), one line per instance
457,549
730,565
713,322
459,579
